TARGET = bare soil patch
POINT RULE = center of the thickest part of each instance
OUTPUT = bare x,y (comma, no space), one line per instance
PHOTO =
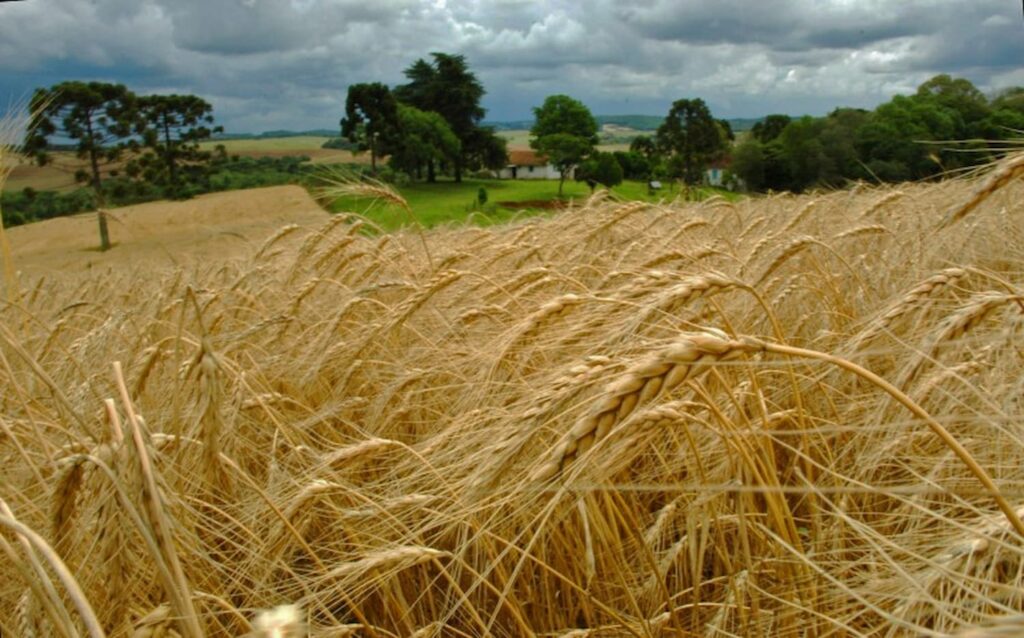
545,204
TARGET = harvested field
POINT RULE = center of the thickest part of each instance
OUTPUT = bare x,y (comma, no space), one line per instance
164,233
787,416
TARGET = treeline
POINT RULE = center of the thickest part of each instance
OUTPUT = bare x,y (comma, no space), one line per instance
428,126
947,125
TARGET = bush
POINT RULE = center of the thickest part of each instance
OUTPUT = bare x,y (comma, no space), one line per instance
22,208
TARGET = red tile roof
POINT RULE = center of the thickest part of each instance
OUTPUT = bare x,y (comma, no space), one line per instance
526,158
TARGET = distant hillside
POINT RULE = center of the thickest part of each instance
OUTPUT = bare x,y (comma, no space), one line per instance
317,132
740,124
635,122
510,125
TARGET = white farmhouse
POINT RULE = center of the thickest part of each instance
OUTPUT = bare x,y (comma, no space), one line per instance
527,164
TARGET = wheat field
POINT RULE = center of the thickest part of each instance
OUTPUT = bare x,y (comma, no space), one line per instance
785,416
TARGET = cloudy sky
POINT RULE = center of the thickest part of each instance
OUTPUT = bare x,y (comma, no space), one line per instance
271,64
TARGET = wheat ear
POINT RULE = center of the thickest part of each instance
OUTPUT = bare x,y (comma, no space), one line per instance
662,371
1007,171
912,299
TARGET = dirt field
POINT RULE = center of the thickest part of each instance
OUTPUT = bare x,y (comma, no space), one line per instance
223,224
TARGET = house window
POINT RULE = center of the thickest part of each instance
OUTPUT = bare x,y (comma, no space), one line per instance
531,169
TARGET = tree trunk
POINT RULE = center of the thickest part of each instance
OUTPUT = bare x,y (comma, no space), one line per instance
94,161
104,231
171,166
458,170
97,187
431,177
373,154
561,180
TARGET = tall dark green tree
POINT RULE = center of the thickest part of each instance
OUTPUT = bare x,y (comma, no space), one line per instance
171,127
486,150
371,118
449,88
565,131
692,137
98,117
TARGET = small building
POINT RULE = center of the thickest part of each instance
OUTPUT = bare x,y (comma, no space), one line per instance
715,173
528,164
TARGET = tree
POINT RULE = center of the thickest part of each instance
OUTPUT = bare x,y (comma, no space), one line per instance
449,88
644,144
371,118
634,165
892,137
838,135
1011,98
692,136
171,127
600,168
727,130
486,150
564,131
424,139
748,164
98,116
804,153
770,127
958,95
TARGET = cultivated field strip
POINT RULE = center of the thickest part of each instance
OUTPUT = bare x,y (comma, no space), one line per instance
786,416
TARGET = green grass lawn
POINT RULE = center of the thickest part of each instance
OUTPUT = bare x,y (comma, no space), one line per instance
447,202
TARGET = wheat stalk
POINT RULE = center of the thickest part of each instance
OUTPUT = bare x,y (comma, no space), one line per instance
1006,171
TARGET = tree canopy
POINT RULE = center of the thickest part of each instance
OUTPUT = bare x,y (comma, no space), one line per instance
447,87
691,137
770,127
425,140
565,131
371,118
171,127
946,124
99,117
600,168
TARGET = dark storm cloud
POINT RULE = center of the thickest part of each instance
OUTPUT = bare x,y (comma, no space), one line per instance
784,24
287,63
234,27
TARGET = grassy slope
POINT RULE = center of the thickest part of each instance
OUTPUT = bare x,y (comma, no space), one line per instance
446,202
